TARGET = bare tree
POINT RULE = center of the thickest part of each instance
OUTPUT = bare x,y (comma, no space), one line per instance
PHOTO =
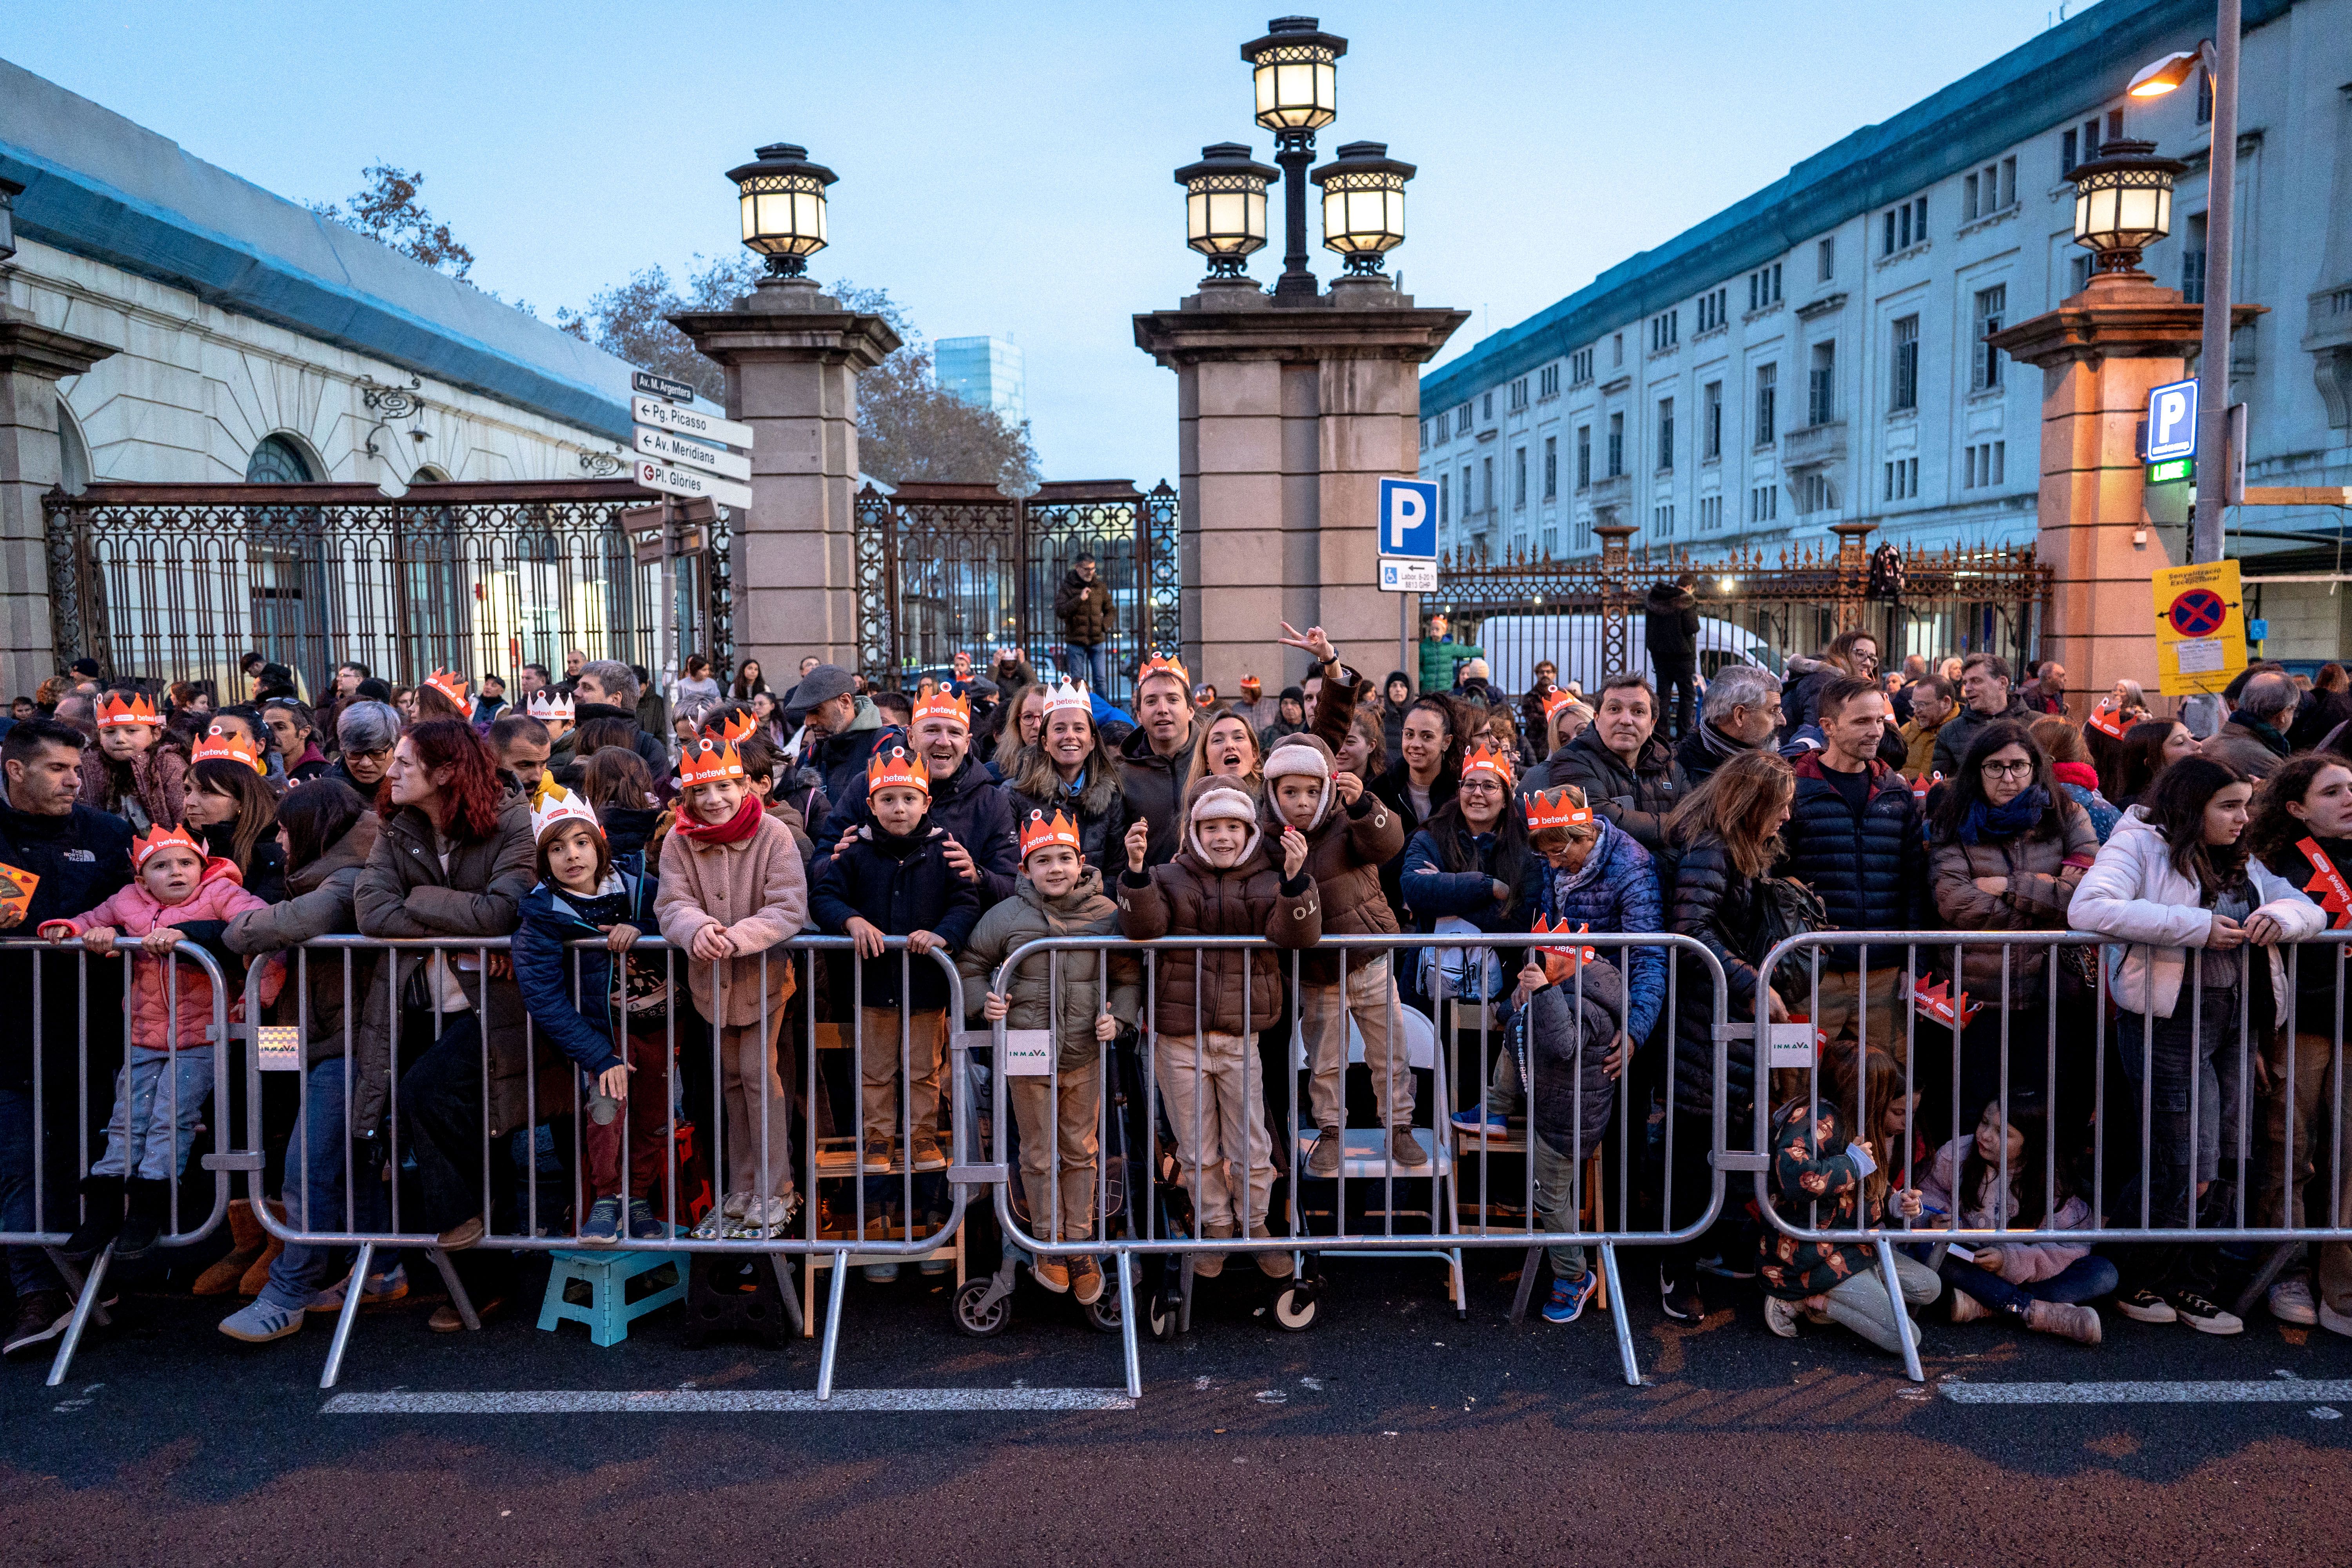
388,210
631,320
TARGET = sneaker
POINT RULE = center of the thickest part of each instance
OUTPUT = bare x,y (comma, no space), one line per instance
1474,1121
881,1273
713,1226
459,1237
1086,1279
603,1225
1405,1150
2146,1307
2205,1316
445,1321
1781,1316
2290,1300
881,1155
260,1320
41,1316
1680,1297
644,1224
1966,1308
764,1218
2080,1325
928,1156
1323,1159
1052,1273
380,1289
1568,1296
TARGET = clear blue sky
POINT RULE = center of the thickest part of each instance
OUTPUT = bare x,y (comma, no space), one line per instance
1006,168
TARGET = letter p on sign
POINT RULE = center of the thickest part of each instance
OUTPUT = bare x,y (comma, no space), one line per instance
1409,518
2172,421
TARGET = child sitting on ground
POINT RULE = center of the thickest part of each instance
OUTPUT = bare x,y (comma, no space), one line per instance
1058,895
175,893
1212,1002
892,879
581,897
731,888
2039,1284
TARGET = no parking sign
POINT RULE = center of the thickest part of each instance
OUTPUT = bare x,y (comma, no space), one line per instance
2200,628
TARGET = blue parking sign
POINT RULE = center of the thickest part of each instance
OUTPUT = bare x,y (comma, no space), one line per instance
1409,518
2172,421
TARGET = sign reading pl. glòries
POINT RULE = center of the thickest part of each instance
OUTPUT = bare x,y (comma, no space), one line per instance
692,454
677,482
682,421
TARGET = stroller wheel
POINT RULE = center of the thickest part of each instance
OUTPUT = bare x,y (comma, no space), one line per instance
978,1316
1165,1310
1294,1308
1102,1311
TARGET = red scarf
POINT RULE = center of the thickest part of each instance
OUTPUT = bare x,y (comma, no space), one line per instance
2328,882
745,822
2081,775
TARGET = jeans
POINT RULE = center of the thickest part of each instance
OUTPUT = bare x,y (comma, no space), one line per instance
442,1127
1092,659
1859,1301
2180,1061
2085,1280
1558,1192
315,1192
158,1100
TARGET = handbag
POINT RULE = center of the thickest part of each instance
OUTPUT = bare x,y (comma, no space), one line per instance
1785,908
1465,974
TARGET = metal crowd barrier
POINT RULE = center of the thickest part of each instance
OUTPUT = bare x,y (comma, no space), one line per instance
2056,1045
1146,1136
816,1233
36,1179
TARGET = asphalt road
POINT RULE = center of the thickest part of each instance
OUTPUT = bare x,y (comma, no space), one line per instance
1390,1432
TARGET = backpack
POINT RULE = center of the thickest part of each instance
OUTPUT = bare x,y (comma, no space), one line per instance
1785,908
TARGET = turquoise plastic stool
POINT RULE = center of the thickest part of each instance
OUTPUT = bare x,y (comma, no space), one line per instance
608,1311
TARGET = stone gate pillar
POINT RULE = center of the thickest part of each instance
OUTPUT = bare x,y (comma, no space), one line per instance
793,355
33,360
1288,416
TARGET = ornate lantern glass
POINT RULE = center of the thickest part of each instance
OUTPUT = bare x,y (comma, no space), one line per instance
782,198
1363,204
2123,202
1225,206
1297,75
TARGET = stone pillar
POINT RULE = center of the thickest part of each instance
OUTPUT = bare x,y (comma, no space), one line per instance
33,360
792,357
2099,353
1287,419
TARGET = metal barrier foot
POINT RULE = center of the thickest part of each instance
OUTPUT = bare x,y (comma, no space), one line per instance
1901,1312
457,1297
1615,1277
70,1272
352,1291
832,1304
791,1294
1526,1286
1126,1334
85,1304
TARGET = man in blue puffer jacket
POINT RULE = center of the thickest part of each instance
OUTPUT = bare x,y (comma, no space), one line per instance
1853,836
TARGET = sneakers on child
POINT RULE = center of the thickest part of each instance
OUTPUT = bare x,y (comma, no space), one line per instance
1052,1273
1405,1150
1086,1279
603,1225
1323,1159
380,1289
260,1320
644,1224
1781,1316
2146,1307
2067,1321
927,1152
1966,1308
1679,1295
1474,1120
1568,1296
2290,1300
2205,1316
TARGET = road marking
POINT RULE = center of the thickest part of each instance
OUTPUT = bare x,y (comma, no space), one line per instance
2297,1391
725,1401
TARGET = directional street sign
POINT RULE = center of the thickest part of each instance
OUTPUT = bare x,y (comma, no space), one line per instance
661,386
691,453
687,422
677,482
2200,629
1408,523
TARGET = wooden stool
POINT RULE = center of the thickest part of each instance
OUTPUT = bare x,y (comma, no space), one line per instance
608,1311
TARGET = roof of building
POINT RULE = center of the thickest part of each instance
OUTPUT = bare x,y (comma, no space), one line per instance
99,186
2083,62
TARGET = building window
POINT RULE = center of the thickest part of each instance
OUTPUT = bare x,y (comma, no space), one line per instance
1584,532
2078,273
1764,288
1617,349
1518,395
1425,435
1710,514
1462,420
1551,539
278,461
2066,155
1443,488
1825,258
1665,434
1519,476
2192,261
1985,463
1905,368
1665,330
1906,225
1547,381
1816,494
1486,484
1710,427
1968,199
1662,521
1487,406
1768,379
1989,191
1820,384
1902,479
2090,139
1992,305
1469,502
1552,467
1583,457
1763,504
2115,125
1579,367
1616,445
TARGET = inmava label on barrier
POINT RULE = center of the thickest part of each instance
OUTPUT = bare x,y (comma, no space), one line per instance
1792,1044
1028,1053
278,1048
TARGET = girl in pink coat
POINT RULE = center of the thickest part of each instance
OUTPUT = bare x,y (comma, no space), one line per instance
166,1078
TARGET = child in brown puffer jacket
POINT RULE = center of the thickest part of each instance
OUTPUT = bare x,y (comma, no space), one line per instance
1212,1002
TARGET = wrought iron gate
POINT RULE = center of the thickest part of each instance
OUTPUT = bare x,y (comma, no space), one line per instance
943,568
179,582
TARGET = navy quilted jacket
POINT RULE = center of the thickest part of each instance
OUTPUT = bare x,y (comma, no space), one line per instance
1616,891
1870,871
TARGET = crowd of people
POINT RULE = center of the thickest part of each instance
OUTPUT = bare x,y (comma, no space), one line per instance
989,806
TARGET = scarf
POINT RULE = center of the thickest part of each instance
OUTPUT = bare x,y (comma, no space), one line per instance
745,822
2261,732
1719,746
2003,821
2082,775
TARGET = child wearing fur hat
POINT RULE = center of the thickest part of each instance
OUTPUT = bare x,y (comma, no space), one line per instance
1211,1003
1350,834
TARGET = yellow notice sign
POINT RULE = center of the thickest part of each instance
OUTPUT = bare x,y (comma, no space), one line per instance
2200,628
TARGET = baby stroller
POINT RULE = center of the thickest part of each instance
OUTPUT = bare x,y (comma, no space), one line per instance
984,1305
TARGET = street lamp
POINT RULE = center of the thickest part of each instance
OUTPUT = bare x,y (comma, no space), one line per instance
1363,204
2160,77
2123,203
782,197
1295,70
1225,206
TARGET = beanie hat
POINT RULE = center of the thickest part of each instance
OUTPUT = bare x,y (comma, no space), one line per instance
1303,756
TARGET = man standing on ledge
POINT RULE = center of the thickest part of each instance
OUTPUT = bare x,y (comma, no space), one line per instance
1083,605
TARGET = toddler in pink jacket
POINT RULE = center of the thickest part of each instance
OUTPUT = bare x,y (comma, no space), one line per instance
166,1078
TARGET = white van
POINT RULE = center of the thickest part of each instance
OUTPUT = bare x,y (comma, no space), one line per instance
1573,643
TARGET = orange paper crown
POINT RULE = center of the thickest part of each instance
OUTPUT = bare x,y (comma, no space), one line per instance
1936,1001
449,685
738,728
1164,664
944,704
17,890
1555,810
1923,785
219,746
2107,722
1559,697
895,769
707,761
2327,883
114,710
1038,832
1483,759
143,848
1580,954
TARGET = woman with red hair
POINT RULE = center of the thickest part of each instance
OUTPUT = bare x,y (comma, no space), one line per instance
452,859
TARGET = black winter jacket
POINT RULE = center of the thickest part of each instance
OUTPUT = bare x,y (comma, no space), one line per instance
1670,626
82,858
1716,904
1573,1096
1637,799
1952,740
903,886
1871,871
968,805
1153,787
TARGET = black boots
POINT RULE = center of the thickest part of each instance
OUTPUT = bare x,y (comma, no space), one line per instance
150,1216
133,1228
101,1218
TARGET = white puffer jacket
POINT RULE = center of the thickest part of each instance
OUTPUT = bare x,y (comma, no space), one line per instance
2133,894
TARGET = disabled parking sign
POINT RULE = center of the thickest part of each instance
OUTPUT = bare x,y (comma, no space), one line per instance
1408,524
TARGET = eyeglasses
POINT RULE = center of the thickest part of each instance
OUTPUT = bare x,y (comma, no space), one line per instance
2020,770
